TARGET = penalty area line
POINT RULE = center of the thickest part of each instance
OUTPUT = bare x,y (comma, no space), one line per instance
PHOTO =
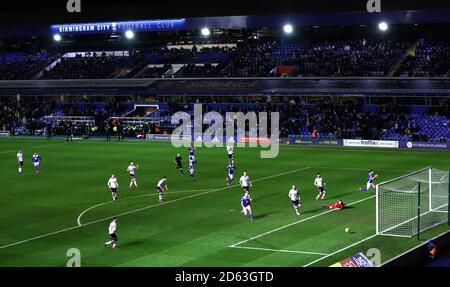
296,222
132,197
281,250
339,251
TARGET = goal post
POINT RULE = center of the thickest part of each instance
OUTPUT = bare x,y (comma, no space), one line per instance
412,203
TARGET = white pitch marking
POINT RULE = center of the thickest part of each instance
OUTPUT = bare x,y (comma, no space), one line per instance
281,250
296,222
131,197
340,250
140,209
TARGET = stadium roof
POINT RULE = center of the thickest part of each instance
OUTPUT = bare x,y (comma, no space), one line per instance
45,12
229,22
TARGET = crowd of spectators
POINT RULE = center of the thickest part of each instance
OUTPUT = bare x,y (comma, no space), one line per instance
23,65
92,66
348,58
250,58
156,71
430,59
334,118
24,116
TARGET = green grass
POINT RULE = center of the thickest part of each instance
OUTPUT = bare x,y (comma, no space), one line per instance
194,227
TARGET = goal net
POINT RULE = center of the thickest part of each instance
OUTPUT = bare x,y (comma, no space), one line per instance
413,203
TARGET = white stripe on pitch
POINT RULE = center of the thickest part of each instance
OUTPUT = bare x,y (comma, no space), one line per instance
280,250
296,222
140,209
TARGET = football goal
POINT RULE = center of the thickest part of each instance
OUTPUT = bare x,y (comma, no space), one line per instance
413,203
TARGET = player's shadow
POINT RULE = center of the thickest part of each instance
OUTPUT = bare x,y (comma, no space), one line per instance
259,216
311,211
134,243
340,195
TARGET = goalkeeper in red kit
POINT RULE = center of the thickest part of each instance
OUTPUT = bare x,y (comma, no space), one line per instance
337,205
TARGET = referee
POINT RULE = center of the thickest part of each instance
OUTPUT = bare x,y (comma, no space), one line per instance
178,163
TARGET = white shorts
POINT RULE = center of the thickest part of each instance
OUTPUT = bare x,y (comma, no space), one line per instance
36,164
369,185
246,209
230,176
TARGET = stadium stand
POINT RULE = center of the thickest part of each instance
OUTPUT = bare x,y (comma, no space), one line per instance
250,58
324,118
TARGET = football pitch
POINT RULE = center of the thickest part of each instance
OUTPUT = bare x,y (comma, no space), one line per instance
68,205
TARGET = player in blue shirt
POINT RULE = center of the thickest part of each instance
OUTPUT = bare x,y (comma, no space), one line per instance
191,153
245,203
191,167
36,159
230,172
370,178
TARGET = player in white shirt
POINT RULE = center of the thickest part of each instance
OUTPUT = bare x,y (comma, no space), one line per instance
295,198
161,186
245,182
20,161
132,170
320,185
112,230
230,152
113,185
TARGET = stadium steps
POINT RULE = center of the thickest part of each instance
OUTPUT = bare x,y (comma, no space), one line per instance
141,71
177,69
52,63
166,74
409,52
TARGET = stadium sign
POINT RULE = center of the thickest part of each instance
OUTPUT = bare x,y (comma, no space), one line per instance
5,134
166,137
119,27
309,141
370,143
161,137
357,260
424,145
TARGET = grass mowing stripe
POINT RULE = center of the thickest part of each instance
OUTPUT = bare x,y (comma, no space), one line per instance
284,146
296,222
33,147
340,250
144,208
281,250
363,169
